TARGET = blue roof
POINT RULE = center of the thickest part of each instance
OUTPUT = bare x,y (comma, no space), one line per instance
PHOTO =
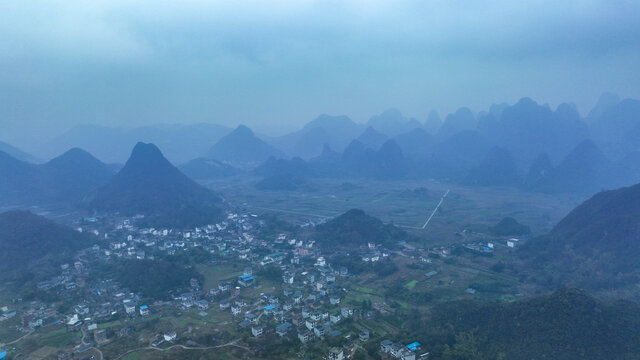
3,355
144,307
245,277
414,346
269,307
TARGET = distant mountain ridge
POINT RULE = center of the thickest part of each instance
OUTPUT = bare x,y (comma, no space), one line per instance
66,178
617,128
526,129
181,143
459,151
391,122
461,120
584,170
372,139
17,153
243,147
308,142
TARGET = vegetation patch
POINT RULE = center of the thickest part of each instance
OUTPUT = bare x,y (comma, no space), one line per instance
411,284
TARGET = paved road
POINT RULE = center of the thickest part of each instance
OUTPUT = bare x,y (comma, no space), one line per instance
436,209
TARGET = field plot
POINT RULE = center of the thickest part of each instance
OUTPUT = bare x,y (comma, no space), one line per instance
406,203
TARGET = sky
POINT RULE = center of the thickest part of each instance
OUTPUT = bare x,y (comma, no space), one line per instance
275,65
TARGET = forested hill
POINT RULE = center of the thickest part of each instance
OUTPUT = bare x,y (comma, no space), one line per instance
356,228
26,237
566,325
596,246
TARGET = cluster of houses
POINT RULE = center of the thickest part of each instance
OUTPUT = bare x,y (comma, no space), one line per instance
309,306
7,313
403,352
374,253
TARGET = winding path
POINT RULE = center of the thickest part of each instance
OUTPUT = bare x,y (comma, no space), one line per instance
18,339
231,343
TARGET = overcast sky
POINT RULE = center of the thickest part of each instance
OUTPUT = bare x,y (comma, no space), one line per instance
276,64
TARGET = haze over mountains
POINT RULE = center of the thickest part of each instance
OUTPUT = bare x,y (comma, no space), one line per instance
147,185
66,178
16,153
113,145
526,147
532,146
241,146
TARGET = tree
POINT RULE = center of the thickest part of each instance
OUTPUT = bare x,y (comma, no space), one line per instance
465,348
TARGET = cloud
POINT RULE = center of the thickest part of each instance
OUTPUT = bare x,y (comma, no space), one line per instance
285,61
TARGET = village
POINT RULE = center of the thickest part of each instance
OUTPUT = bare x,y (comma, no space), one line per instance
280,287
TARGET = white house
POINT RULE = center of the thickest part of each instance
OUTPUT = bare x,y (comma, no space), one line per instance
257,330
336,354
170,336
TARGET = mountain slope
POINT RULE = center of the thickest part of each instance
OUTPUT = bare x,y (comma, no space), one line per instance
19,180
497,169
416,142
568,324
391,122
310,143
65,179
539,169
595,246
150,185
241,146
433,122
463,119
26,237
614,131
16,153
73,175
509,226
464,149
386,163
526,129
371,138
584,170
605,102
336,131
